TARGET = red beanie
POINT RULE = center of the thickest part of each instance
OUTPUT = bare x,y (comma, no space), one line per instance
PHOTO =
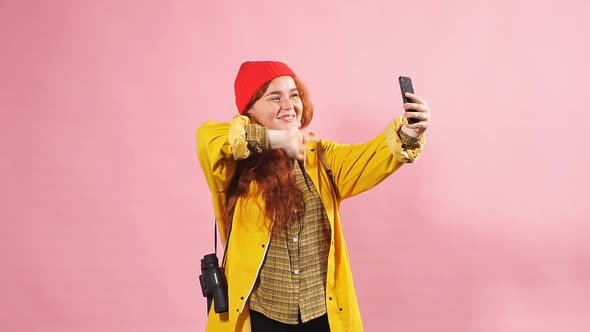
254,74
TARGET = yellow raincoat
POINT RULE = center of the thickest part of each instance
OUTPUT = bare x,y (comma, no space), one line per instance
356,167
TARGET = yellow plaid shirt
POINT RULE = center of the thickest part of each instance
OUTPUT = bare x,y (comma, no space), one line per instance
292,279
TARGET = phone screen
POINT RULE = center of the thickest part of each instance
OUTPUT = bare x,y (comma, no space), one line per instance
405,84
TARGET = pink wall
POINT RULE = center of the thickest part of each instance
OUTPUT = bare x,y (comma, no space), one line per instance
106,214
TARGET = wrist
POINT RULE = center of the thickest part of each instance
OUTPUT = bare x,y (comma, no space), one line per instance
276,138
409,132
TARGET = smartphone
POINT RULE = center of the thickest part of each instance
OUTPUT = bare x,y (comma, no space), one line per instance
405,84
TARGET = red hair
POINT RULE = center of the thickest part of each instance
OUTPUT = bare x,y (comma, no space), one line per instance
272,170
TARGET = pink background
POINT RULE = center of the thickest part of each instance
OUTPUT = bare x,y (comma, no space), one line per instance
105,213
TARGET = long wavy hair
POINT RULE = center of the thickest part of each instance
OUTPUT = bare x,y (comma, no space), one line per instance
272,170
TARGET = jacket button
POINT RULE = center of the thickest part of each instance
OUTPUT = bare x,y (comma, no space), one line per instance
263,245
241,297
340,309
330,298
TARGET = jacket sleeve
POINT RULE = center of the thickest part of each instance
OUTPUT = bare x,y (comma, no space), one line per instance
219,146
359,167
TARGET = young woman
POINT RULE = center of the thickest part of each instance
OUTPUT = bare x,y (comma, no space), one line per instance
276,195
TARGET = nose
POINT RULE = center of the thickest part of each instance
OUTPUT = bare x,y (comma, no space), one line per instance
286,104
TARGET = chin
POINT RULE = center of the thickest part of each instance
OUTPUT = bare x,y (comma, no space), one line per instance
284,126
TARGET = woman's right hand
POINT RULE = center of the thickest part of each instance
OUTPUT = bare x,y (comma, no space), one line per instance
292,141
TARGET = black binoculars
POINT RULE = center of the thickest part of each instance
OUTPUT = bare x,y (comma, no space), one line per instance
213,283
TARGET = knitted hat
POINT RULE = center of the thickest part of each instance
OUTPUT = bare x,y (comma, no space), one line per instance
254,74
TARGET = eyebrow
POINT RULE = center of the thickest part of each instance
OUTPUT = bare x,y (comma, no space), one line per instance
279,92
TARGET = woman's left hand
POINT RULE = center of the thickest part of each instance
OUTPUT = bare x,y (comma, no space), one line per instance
417,109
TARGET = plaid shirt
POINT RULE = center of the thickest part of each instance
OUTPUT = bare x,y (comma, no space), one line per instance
292,279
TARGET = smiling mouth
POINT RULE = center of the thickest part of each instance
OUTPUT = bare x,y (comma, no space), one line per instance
288,118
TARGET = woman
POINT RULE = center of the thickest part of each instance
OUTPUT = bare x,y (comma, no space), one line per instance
276,194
